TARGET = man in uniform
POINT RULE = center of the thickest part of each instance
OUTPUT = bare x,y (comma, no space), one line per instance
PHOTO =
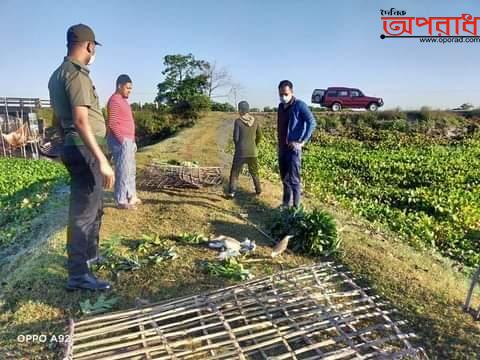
79,118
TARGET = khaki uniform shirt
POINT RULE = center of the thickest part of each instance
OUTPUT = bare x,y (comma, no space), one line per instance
69,86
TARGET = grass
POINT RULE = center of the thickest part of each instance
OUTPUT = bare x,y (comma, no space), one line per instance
33,301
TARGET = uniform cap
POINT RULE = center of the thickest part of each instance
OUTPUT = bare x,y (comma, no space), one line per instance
80,33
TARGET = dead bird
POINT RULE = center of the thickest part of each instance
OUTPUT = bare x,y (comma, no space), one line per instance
247,246
226,254
231,245
224,242
281,246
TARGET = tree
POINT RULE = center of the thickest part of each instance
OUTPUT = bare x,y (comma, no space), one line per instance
217,78
136,106
150,106
184,86
236,92
225,107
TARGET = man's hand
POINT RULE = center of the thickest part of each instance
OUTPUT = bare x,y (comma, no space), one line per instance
108,174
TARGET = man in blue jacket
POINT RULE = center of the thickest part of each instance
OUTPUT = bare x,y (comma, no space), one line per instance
295,125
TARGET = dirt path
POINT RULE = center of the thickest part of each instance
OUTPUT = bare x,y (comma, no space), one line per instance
206,142
172,212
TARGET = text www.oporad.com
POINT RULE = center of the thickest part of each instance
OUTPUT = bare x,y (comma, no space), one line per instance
449,40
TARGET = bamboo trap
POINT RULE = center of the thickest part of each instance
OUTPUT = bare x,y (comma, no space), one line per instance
159,176
311,312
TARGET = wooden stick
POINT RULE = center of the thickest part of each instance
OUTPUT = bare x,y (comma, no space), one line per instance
475,279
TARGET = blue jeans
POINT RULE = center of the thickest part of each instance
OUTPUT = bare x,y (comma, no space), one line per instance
125,168
290,162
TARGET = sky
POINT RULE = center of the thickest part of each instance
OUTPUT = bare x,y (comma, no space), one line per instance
313,43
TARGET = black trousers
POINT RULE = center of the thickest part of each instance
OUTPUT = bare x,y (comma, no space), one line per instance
86,207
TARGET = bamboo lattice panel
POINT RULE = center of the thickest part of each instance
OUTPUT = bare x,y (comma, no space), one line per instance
174,176
314,312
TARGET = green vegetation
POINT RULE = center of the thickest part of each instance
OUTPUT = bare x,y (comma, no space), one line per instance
183,95
192,238
154,125
315,232
148,250
369,125
45,114
423,187
101,305
229,268
184,86
224,107
24,187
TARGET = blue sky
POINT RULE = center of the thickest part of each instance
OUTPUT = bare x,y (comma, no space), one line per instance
314,43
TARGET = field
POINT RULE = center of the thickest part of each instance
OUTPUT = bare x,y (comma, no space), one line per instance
425,190
24,187
156,253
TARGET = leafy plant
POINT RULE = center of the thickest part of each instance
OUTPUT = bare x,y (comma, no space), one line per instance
154,249
148,243
128,263
101,305
109,247
162,255
229,268
112,258
191,238
314,232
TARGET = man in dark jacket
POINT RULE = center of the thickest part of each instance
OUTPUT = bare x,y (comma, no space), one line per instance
246,136
295,125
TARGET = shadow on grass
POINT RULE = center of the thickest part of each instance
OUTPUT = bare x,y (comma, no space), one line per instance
210,194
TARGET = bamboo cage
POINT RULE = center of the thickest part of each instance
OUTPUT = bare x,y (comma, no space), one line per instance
158,176
312,312
23,141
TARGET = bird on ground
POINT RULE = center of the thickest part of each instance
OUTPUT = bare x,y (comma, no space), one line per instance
247,246
225,242
281,246
231,247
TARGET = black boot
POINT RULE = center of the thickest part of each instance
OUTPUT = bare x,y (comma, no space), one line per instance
87,282
258,186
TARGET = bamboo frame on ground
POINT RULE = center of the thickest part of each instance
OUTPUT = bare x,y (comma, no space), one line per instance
157,176
312,312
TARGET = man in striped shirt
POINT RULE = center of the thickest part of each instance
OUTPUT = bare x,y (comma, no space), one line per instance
121,141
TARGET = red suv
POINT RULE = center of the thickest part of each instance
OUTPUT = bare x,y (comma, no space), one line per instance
337,98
